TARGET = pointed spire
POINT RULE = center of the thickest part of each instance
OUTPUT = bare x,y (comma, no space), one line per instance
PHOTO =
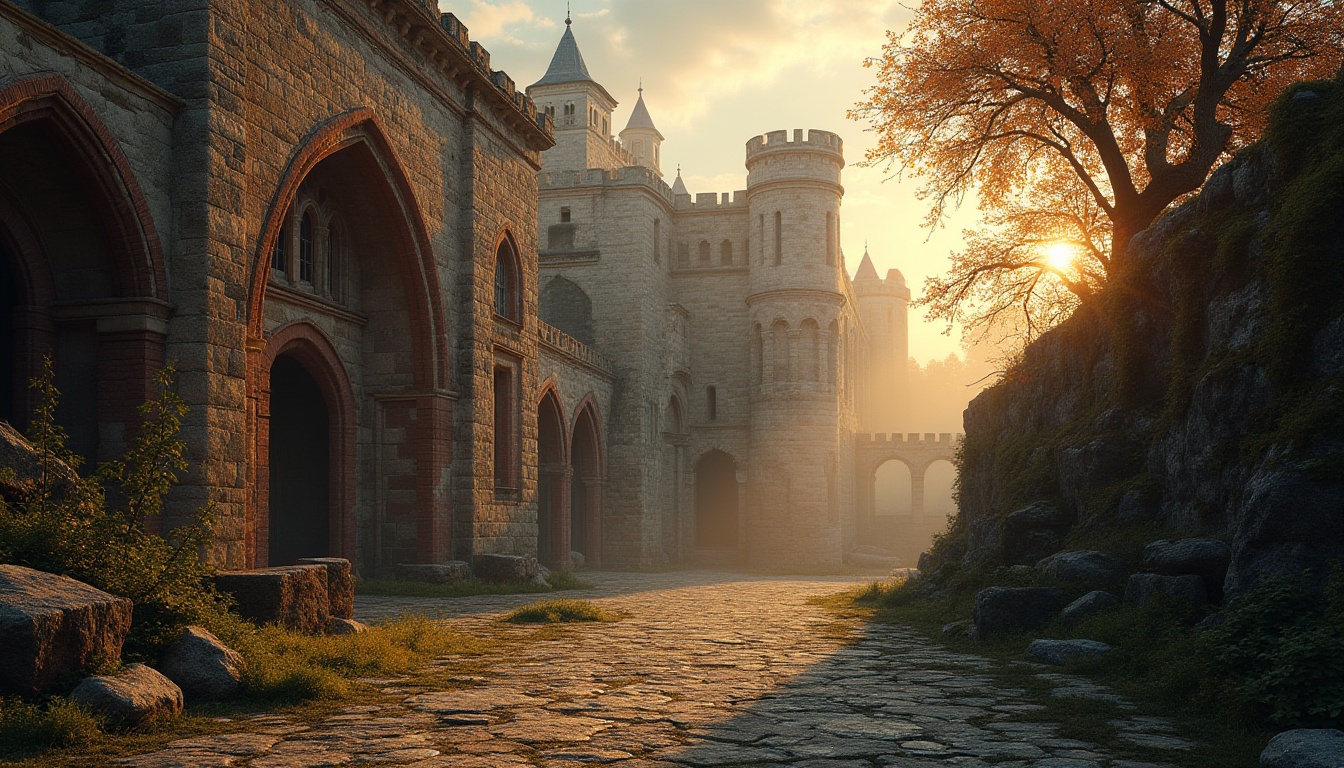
639,116
567,64
866,269
679,186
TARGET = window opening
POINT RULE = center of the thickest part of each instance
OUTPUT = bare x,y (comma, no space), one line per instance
306,248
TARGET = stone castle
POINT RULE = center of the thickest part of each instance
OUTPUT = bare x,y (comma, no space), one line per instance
419,314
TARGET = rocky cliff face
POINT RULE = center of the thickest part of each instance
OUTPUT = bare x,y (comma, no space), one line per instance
1204,394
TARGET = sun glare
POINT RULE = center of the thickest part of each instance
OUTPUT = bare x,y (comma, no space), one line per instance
1060,255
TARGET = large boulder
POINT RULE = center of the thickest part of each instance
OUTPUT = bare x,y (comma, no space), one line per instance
1061,652
1291,525
1033,532
130,696
1008,609
340,584
450,572
1185,593
513,568
202,666
53,628
293,596
1199,557
1086,567
1305,748
1091,604
24,465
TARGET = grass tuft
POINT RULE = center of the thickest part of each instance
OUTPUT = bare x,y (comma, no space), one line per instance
29,729
557,611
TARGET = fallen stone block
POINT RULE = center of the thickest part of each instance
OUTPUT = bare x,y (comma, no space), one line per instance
1305,748
53,628
202,666
1007,609
506,568
340,584
1060,652
292,596
450,572
1094,602
338,625
1185,593
130,696
1088,567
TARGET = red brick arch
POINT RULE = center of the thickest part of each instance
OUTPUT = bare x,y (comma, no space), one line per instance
103,168
306,343
413,249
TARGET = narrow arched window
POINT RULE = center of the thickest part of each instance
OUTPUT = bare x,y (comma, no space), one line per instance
779,238
830,238
712,403
657,240
335,279
506,282
704,252
280,253
307,247
726,253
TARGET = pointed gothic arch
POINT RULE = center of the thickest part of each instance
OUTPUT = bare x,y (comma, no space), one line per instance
589,477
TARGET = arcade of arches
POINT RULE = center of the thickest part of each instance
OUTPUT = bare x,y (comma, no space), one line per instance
569,499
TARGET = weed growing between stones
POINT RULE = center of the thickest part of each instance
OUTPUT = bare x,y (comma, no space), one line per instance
558,611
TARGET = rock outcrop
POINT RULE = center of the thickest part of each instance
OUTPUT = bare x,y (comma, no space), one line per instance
54,628
1010,609
1203,392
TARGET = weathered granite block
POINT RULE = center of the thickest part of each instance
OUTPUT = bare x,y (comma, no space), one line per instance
293,596
340,584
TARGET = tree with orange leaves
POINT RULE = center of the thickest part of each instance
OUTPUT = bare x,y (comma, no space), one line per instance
1076,124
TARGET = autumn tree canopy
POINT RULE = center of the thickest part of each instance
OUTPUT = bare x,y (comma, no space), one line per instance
1077,123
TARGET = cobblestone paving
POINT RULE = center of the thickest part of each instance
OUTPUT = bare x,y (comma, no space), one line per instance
709,669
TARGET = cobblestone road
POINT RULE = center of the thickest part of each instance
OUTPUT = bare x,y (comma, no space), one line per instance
709,669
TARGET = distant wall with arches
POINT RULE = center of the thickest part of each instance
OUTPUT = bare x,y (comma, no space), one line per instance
903,489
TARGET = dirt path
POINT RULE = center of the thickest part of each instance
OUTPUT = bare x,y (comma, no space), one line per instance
709,669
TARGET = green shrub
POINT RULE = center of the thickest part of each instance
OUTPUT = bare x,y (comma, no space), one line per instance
68,527
556,611
28,729
1285,647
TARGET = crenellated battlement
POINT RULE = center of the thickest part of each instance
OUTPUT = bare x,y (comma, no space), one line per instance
712,201
912,440
442,42
775,141
633,175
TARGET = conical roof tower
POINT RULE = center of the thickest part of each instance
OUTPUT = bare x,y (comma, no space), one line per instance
579,107
641,139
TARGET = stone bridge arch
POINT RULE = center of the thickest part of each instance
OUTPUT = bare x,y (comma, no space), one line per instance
918,453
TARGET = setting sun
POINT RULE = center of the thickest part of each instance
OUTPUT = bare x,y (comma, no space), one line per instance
1060,256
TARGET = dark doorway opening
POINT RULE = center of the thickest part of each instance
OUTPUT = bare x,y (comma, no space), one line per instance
300,461
9,302
552,548
587,472
716,501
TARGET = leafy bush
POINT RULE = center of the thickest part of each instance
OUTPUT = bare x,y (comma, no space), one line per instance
27,729
66,525
1285,647
556,611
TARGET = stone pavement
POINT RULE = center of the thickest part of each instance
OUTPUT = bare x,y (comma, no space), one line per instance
708,669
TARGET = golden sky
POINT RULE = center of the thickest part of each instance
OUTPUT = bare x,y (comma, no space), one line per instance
716,73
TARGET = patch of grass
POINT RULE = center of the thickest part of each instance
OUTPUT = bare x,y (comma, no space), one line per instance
286,667
557,581
28,729
557,611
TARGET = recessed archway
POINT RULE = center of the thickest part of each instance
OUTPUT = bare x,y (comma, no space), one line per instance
892,489
716,501
586,493
553,482
300,465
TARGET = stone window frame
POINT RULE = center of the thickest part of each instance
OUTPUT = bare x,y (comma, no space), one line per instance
507,301
703,253
726,253
712,402
329,270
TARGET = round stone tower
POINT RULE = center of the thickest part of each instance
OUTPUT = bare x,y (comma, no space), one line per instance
802,350
884,306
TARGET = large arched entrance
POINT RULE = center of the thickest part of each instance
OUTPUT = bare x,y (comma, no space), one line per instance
552,484
343,252
300,465
585,506
81,267
716,501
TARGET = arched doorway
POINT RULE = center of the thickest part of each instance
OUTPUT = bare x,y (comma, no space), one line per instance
585,507
300,465
9,304
716,502
892,490
552,483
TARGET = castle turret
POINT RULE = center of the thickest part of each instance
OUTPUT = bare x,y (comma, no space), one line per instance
884,306
803,336
580,109
641,139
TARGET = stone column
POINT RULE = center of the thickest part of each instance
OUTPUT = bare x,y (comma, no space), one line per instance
917,494
592,487
561,500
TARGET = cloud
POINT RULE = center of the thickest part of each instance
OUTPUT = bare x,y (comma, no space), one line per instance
496,20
